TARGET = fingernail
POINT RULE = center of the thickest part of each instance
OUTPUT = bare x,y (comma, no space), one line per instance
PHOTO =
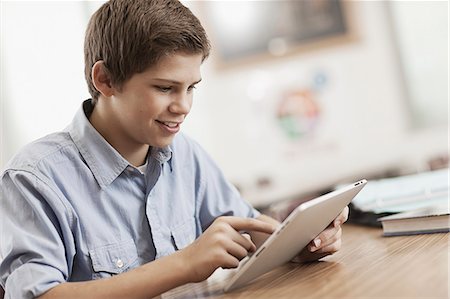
317,243
337,223
315,246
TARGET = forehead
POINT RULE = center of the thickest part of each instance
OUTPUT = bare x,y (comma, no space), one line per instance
179,66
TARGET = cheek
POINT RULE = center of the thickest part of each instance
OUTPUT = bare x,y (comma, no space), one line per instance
149,111
190,101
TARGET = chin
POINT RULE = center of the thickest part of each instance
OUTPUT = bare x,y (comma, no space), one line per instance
161,142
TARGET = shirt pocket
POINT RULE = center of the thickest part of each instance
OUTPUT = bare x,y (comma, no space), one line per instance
184,234
115,258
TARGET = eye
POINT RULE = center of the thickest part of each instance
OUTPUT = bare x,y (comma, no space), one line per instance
191,88
164,88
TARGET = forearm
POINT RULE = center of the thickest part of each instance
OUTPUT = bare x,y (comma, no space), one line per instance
146,281
259,238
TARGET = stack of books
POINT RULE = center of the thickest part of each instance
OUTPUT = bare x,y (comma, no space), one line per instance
432,219
415,204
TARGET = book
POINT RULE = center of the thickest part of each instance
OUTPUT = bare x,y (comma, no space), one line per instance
388,196
404,193
431,219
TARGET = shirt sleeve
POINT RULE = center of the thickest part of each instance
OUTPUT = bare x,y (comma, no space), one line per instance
217,196
33,225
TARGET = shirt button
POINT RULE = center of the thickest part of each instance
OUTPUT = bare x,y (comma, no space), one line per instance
119,263
130,168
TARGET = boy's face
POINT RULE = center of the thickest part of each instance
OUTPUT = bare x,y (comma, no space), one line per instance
150,106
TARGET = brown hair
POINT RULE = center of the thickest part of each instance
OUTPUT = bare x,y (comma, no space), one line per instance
132,35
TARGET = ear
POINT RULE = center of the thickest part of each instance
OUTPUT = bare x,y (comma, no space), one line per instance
101,79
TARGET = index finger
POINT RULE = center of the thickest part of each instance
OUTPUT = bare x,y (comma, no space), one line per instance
250,224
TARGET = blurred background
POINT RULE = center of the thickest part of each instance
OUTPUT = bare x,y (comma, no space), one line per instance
297,96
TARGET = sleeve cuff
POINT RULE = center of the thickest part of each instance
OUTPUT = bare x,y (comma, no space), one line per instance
32,280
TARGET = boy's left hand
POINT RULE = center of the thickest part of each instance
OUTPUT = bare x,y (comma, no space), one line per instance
326,243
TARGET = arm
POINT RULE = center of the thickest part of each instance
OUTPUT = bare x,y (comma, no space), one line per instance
145,281
221,245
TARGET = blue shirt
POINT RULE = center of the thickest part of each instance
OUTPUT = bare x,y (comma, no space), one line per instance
73,209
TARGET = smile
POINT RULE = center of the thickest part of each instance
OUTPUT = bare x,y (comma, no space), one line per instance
169,126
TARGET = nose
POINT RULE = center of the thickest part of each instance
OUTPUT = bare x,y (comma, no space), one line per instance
181,104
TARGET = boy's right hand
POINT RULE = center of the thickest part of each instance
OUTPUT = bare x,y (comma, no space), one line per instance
221,245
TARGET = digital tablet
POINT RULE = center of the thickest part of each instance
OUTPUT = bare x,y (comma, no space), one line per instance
305,223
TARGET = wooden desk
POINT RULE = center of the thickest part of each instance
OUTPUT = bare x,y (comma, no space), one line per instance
367,266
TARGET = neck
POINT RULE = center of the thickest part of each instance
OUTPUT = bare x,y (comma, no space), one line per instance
132,151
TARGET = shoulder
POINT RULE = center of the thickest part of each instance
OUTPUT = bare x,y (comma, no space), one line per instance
182,140
188,153
44,151
186,148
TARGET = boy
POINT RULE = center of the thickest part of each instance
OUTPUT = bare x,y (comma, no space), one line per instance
119,205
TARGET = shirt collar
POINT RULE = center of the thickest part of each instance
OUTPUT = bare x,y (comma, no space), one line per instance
162,155
104,161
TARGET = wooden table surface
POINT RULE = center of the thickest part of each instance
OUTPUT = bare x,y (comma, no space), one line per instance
368,266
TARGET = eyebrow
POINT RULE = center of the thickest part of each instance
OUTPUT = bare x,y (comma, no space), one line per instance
176,82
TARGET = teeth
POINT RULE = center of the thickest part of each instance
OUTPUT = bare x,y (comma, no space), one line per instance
170,124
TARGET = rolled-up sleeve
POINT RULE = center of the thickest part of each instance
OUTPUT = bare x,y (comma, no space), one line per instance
36,245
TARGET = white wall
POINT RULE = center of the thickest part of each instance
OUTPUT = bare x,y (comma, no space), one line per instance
41,69
365,127
420,28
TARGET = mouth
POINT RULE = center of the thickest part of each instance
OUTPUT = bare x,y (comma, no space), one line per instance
169,126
